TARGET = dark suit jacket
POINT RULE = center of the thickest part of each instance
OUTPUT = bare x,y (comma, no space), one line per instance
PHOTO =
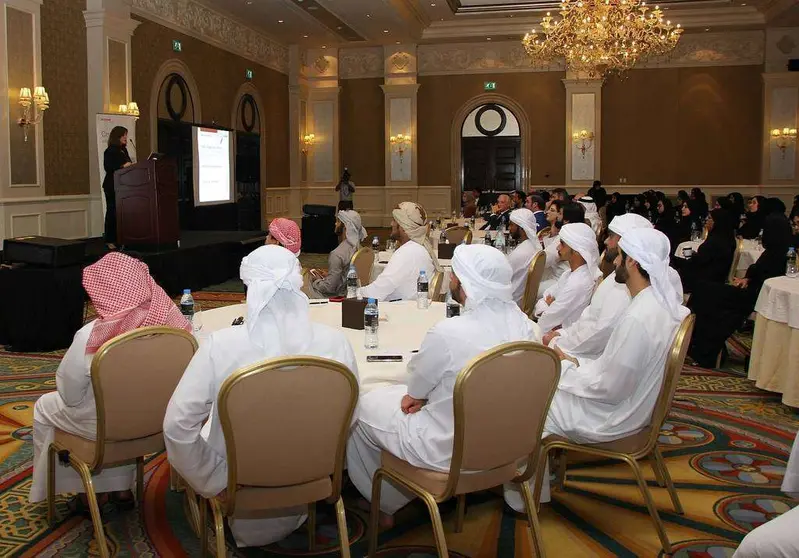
541,219
493,222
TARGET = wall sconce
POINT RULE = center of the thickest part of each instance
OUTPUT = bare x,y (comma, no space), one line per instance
131,109
33,107
783,138
307,142
583,140
400,144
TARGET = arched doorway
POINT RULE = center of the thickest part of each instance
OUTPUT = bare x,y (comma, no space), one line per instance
490,142
250,158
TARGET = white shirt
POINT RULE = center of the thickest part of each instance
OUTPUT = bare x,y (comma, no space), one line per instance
555,268
73,379
398,280
613,396
588,336
520,260
572,294
426,437
202,462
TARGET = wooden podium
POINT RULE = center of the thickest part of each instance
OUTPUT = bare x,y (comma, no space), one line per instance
147,204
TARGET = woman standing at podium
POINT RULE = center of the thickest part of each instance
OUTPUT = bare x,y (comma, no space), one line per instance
115,157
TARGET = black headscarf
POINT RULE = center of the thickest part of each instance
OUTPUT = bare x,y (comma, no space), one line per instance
754,220
723,224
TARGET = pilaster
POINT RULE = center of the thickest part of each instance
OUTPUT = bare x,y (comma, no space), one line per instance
583,113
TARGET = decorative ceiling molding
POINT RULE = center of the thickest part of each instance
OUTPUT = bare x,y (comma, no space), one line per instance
199,21
740,48
364,62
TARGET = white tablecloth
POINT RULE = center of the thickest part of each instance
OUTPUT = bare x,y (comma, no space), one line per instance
402,329
750,254
790,483
778,301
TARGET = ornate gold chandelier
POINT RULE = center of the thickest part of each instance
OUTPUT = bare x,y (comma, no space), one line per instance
602,37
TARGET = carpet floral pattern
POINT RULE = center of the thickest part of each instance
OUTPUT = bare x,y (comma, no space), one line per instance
726,445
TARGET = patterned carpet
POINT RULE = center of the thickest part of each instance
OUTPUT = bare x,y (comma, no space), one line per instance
726,446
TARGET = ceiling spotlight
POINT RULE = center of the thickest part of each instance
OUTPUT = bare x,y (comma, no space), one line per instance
305,36
707,28
398,42
339,27
324,46
433,5
280,21
385,30
488,38
368,15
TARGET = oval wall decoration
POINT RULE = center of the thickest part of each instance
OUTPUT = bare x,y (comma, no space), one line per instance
176,81
249,113
503,120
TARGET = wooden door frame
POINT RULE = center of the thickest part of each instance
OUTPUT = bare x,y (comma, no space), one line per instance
456,168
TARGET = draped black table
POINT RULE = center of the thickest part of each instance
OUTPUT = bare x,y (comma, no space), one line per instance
41,308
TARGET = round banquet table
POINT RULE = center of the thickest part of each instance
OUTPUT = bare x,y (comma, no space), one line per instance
402,329
383,258
774,362
749,255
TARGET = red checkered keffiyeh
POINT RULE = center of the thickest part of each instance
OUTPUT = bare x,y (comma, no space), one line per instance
287,233
126,298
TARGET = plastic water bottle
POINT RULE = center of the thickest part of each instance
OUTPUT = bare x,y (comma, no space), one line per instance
422,288
694,231
376,244
371,319
352,282
759,239
790,266
453,308
187,305
487,240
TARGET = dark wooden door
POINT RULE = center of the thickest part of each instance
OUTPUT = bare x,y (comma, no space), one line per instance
492,163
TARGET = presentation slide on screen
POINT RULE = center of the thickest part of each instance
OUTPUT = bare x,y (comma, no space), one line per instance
213,166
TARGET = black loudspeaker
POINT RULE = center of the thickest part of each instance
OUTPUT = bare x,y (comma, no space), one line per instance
319,210
793,65
43,251
318,229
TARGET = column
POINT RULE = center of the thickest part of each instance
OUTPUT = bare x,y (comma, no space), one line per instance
109,29
780,164
400,91
322,114
583,113
298,155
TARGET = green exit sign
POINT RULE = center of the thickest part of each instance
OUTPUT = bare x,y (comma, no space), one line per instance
176,46
490,85
248,73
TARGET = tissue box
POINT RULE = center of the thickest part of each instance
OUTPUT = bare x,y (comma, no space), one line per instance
352,312
446,251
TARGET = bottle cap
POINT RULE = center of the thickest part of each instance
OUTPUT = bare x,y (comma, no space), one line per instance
371,301
186,291
422,272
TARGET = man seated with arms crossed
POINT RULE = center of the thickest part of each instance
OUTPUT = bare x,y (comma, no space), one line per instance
501,214
278,324
522,229
415,422
126,298
563,302
415,254
613,396
588,336
333,281
558,214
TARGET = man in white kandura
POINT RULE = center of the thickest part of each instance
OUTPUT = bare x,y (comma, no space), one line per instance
523,229
559,213
777,538
613,396
591,213
333,281
278,324
415,422
563,303
415,254
126,298
588,336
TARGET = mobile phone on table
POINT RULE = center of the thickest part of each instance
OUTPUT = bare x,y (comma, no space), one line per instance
384,358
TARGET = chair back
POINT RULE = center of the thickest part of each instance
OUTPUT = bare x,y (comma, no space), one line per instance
456,235
436,286
364,260
133,378
501,401
535,274
285,422
736,257
671,377
544,233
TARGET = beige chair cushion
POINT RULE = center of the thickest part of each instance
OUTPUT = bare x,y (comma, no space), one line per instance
114,453
252,501
435,482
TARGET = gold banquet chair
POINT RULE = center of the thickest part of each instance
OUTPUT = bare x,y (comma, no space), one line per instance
544,233
736,258
456,235
500,404
436,284
364,260
534,275
308,403
133,377
638,446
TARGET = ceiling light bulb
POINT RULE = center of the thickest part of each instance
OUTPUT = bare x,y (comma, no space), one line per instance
280,21
385,30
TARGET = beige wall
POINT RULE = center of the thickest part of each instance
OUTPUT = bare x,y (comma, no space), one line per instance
361,108
66,130
218,74
683,126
